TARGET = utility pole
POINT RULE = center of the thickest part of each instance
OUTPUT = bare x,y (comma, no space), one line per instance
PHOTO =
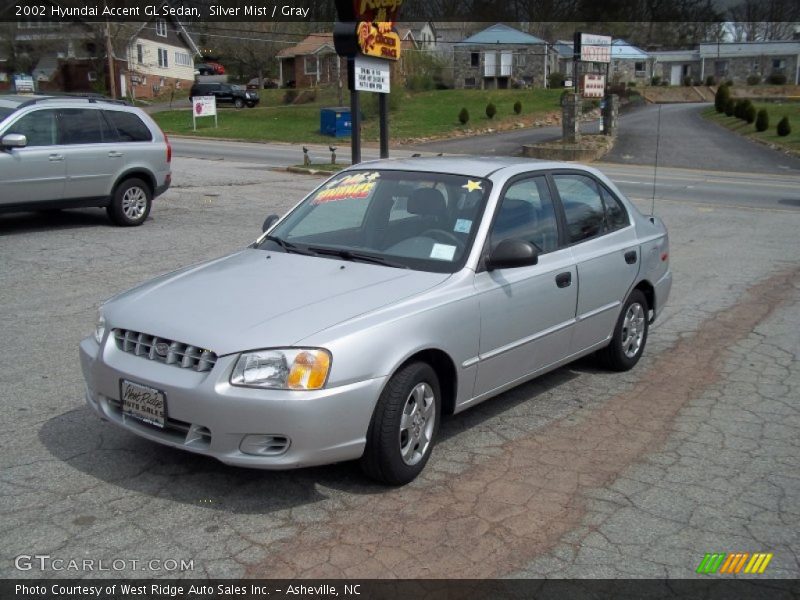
112,78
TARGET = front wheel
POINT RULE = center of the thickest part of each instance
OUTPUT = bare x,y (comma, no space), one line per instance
131,203
404,426
238,103
630,335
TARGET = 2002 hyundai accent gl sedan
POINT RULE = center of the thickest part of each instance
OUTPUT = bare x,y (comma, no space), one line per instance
396,292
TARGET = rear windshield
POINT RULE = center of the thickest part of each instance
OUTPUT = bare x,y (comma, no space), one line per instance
130,128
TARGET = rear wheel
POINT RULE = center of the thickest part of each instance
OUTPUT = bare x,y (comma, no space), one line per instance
404,426
131,203
630,335
238,103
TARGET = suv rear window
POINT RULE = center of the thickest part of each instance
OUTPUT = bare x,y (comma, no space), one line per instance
129,126
83,126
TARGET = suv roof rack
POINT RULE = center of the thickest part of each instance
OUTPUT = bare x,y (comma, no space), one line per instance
66,96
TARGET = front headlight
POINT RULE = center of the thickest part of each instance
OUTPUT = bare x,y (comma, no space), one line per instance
99,327
283,369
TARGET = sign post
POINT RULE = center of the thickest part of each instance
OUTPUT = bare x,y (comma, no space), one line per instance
203,106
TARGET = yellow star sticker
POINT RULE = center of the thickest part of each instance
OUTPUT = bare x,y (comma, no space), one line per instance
471,186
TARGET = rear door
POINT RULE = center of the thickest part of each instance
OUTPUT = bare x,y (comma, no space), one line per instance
35,173
606,252
91,150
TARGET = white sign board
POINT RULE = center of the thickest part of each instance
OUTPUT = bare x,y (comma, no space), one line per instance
595,48
594,85
23,84
372,75
204,106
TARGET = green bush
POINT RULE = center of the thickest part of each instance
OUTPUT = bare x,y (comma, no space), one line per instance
555,80
710,80
463,116
517,107
753,79
777,79
729,83
655,80
730,107
762,120
687,81
491,110
784,128
420,82
721,98
750,113
738,109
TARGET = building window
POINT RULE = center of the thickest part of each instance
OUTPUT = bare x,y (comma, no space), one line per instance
778,65
183,59
721,68
161,27
520,59
469,82
756,66
139,54
310,65
163,58
475,59
639,68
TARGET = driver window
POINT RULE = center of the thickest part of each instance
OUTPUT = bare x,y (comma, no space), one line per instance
527,213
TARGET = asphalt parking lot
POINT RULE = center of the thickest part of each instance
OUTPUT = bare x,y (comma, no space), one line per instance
582,473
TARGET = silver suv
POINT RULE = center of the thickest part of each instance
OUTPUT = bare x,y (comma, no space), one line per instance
71,152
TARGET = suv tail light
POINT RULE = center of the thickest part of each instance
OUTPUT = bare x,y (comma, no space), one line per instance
169,149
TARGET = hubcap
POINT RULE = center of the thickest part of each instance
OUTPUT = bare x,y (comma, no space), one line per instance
633,330
134,203
416,423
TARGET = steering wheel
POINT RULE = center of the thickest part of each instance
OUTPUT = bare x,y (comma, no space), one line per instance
440,235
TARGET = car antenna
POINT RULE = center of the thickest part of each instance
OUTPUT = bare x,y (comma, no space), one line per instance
655,165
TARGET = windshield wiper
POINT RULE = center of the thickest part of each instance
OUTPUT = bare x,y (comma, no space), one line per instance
350,255
289,246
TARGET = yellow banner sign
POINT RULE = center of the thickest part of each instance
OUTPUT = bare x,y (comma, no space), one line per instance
377,39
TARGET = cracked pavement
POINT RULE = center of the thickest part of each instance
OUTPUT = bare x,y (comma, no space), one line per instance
580,473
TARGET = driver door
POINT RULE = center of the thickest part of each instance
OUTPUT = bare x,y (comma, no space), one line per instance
527,313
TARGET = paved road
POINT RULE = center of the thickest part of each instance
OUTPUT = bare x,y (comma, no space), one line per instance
580,473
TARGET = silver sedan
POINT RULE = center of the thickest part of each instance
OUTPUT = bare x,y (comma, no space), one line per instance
395,293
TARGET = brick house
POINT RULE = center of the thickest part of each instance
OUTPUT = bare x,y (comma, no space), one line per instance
310,63
501,56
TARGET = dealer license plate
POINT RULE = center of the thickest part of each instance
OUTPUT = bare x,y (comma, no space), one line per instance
143,403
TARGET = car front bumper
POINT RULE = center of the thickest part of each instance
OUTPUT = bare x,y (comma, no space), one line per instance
207,415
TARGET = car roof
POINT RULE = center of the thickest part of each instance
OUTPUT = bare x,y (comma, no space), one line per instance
462,165
20,100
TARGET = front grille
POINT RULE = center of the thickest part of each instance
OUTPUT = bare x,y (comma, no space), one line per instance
179,354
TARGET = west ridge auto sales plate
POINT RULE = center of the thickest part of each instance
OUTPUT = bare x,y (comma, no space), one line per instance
143,402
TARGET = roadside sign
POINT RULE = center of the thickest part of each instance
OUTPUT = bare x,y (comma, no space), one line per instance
593,48
203,106
24,84
372,75
593,85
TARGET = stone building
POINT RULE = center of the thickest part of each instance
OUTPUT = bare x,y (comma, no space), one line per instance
501,57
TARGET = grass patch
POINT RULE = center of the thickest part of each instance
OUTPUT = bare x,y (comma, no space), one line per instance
424,114
776,110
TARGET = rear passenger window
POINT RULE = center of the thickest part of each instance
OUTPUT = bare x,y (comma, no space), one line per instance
616,215
583,206
129,126
40,127
82,126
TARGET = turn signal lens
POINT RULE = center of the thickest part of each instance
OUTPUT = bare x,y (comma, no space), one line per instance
309,370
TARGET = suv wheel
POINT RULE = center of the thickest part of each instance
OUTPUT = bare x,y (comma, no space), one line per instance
238,103
131,203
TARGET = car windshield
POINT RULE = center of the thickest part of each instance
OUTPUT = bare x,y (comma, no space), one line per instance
417,220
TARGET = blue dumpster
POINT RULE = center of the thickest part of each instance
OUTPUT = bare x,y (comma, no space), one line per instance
335,121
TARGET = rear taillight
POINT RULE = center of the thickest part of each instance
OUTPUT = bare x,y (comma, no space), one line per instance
169,150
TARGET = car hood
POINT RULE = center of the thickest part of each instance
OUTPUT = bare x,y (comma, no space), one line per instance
258,299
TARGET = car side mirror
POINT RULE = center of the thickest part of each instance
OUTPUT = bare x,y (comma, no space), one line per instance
14,140
512,253
269,222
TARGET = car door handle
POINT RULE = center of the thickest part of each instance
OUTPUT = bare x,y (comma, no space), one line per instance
55,157
115,154
564,279
630,257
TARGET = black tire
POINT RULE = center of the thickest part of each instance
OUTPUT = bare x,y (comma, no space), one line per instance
383,458
238,103
623,352
130,203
